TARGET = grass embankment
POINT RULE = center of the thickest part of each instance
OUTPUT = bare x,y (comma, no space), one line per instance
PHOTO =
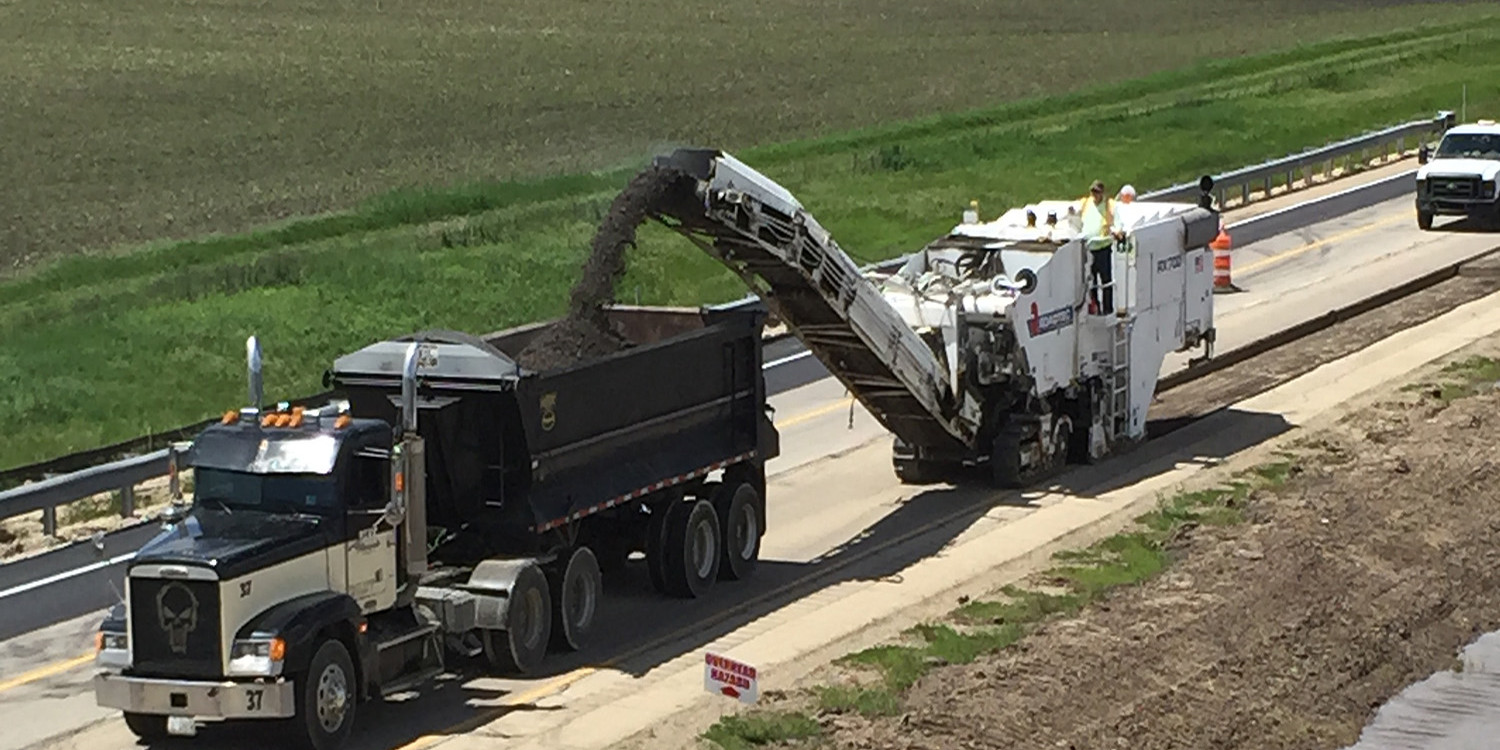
875,679
185,119
98,350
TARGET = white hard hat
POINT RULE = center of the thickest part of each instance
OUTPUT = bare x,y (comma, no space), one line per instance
1128,190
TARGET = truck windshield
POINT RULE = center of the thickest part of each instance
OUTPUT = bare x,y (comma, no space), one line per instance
1470,145
274,493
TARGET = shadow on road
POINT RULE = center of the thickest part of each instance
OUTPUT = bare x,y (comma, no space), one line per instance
646,630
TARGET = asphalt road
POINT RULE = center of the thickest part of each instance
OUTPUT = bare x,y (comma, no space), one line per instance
835,508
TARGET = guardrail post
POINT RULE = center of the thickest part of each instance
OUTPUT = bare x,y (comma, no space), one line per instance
49,520
127,501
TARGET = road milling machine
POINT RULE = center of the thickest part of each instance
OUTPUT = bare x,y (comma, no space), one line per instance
990,347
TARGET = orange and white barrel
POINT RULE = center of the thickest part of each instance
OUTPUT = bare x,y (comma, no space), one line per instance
1220,245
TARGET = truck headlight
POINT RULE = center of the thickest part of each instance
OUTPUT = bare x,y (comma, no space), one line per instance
111,650
257,657
1487,188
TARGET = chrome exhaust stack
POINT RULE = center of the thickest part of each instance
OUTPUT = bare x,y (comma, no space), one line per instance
408,504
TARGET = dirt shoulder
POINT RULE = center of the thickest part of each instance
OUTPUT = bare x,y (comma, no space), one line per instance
1279,609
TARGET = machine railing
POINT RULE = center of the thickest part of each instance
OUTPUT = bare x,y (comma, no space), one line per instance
83,476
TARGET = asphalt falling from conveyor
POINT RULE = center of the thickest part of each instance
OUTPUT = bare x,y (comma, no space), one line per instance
586,332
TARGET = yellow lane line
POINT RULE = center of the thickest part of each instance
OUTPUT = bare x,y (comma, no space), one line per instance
1314,245
42,673
823,410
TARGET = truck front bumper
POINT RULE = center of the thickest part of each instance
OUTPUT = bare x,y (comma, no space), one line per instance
225,700
1458,207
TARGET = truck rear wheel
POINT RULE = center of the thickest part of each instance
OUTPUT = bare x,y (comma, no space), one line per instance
739,519
575,600
146,726
326,697
691,563
664,517
522,645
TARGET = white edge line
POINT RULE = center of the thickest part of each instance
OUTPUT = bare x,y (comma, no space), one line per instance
1314,201
65,575
787,359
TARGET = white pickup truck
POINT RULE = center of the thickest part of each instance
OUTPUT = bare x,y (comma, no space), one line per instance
1458,177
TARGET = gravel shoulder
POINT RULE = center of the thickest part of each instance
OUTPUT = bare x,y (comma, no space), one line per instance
1279,610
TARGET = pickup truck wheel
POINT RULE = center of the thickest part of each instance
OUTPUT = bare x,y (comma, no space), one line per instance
326,697
522,645
692,561
575,600
739,518
146,726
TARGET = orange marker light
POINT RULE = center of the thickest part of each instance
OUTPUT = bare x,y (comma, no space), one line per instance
268,419
400,482
278,649
342,422
230,417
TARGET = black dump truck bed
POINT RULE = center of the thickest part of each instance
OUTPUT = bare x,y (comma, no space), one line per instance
538,449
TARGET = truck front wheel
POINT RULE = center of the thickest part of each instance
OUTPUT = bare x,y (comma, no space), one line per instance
148,727
326,697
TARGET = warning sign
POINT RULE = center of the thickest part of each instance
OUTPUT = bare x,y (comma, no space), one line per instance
726,676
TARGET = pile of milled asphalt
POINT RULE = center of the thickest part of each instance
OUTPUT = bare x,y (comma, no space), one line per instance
586,332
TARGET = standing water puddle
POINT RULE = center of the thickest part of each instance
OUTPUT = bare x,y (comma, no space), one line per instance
1447,711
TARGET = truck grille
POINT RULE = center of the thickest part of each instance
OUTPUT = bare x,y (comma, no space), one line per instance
1459,188
175,628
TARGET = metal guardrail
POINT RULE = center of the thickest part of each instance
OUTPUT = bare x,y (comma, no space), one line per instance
1286,170
122,475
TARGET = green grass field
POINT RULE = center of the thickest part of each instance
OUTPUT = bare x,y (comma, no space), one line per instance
99,349
157,119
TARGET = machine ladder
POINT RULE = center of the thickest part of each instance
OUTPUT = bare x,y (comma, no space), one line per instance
758,230
1119,377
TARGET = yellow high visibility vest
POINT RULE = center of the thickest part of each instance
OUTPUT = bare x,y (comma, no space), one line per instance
1101,237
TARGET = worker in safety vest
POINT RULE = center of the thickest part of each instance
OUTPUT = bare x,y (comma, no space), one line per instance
1101,229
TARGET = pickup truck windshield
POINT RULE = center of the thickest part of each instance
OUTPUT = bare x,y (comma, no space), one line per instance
1469,146
274,493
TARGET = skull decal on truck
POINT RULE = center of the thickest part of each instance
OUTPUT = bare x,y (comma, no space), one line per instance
177,613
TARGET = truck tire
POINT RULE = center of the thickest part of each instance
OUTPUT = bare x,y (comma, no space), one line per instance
575,600
739,521
691,563
663,517
326,698
1005,458
520,648
148,727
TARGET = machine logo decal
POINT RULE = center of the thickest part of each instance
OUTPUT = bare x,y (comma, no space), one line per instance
1038,324
1169,264
549,410
177,613
1198,264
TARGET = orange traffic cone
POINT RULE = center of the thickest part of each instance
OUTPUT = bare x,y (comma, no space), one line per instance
1221,245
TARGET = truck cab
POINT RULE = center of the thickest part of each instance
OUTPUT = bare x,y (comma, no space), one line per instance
1458,177
255,602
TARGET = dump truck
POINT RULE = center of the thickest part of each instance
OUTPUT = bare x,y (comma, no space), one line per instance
993,347
446,503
